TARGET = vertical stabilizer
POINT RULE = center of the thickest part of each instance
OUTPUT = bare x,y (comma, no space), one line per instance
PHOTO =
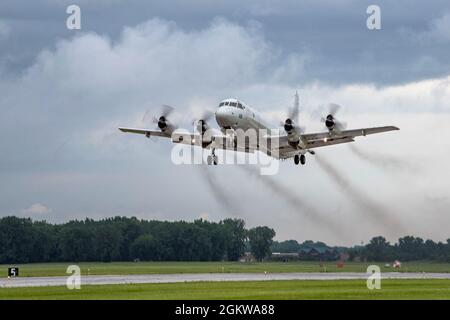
296,109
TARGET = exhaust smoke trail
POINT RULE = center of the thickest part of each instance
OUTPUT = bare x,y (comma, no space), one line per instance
295,202
220,194
383,161
375,211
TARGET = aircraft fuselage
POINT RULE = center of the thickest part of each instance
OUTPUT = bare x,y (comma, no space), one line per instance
234,114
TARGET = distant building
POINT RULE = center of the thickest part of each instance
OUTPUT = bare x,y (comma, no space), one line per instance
284,256
247,257
319,254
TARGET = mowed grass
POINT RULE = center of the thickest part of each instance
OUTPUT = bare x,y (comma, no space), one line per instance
259,290
122,268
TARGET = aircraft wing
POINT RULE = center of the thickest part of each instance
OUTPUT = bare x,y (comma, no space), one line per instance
217,141
346,133
323,139
146,132
177,137
284,149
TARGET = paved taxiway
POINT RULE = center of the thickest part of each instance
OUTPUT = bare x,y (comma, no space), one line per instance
170,278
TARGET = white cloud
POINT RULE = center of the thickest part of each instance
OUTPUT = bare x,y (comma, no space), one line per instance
204,216
37,209
157,56
69,104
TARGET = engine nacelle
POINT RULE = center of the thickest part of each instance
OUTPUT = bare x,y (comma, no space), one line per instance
163,123
289,125
330,122
294,134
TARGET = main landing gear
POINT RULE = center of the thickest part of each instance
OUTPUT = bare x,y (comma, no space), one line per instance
212,158
299,158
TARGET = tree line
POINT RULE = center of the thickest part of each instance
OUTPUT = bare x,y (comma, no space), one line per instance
407,248
23,240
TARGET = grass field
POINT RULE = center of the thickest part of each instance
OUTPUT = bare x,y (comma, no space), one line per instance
318,289
120,268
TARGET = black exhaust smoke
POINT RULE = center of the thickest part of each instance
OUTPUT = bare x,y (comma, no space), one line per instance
375,211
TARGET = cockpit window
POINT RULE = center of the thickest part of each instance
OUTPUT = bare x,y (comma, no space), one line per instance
232,104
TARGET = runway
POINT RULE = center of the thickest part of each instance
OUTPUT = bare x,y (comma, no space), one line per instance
195,277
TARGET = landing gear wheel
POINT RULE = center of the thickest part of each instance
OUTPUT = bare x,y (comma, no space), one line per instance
296,159
302,159
212,158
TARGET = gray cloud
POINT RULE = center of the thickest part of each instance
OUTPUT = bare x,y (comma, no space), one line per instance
437,31
333,35
65,93
4,29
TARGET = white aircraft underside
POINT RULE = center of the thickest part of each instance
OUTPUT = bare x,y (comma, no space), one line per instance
233,115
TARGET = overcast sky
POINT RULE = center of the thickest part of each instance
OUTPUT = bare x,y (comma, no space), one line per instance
63,93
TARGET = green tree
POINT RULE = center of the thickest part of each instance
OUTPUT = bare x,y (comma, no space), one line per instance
261,239
45,244
77,243
411,248
236,234
378,249
285,246
16,240
144,248
131,229
107,242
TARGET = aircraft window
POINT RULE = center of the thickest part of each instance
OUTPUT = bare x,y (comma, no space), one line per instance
240,106
226,103
233,104
221,104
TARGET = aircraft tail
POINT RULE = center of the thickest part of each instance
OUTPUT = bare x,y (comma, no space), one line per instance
296,109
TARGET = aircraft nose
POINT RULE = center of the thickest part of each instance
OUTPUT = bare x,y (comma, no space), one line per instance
222,117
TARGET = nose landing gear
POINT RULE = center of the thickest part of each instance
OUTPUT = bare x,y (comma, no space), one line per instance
212,158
